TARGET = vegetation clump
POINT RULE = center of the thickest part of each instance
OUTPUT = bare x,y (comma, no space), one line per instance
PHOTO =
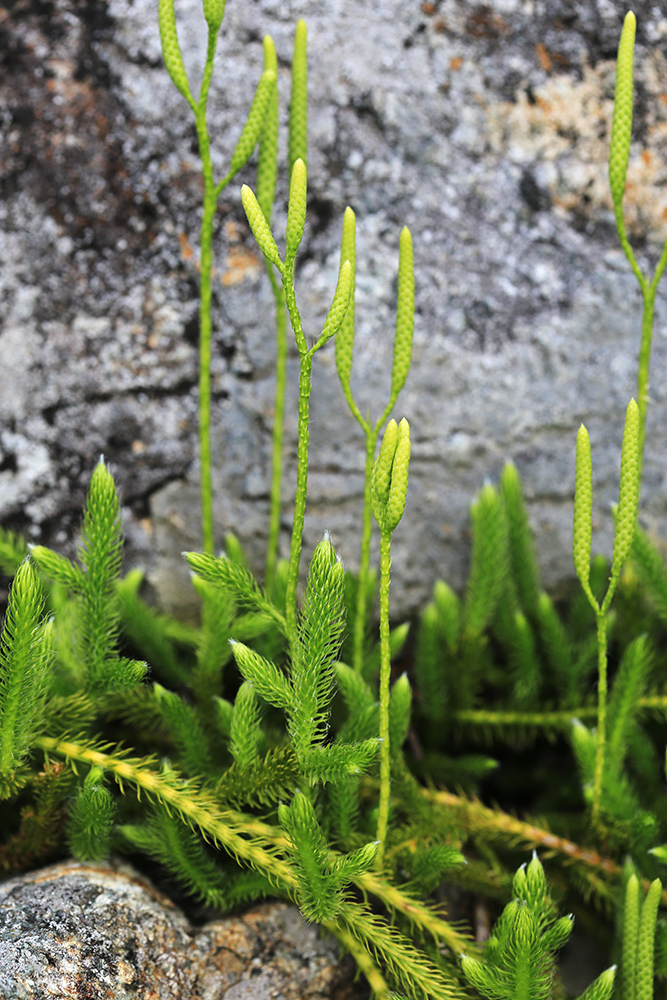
273,755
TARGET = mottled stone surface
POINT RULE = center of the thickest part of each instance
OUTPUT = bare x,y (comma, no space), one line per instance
484,127
93,932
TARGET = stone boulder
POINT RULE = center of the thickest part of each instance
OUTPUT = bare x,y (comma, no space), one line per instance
484,127
103,932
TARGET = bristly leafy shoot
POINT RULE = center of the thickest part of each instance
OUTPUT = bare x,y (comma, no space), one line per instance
281,766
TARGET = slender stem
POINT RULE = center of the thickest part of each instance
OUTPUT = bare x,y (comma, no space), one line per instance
205,328
303,433
365,554
278,430
306,362
648,295
561,719
385,767
602,712
627,249
292,308
205,324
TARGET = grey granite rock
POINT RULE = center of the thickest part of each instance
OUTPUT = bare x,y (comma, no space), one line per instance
76,931
483,127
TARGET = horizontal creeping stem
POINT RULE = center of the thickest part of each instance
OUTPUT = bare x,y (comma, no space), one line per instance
250,841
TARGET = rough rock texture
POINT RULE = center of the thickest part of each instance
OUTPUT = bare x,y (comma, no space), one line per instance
484,127
91,932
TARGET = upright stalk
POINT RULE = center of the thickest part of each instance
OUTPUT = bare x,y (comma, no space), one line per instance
296,218
306,367
624,529
173,59
303,436
601,619
385,672
278,433
205,322
360,612
205,328
400,367
389,488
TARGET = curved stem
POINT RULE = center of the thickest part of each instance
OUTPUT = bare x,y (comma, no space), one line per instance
627,249
385,668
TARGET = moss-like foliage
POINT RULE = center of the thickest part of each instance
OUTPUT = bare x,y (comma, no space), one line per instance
276,754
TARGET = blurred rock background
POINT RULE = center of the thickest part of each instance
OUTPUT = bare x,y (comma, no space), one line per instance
484,127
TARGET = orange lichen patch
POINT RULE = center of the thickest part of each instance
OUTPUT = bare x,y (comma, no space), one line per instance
429,8
147,525
241,264
483,23
232,230
456,63
563,130
187,253
137,447
544,57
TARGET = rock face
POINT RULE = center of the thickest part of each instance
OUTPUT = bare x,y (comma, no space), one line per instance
484,127
104,933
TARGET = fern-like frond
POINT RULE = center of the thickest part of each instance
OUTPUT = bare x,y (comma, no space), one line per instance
489,565
165,839
183,725
629,686
319,635
25,661
416,975
40,833
245,732
13,550
95,584
523,562
264,782
213,650
649,563
149,630
337,761
238,581
90,819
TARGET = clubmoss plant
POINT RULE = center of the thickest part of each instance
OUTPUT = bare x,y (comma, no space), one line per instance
388,489
214,11
265,765
619,156
402,357
519,958
626,519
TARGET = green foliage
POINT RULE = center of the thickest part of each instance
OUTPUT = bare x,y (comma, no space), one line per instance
13,549
91,819
25,658
94,586
519,959
639,925
278,756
